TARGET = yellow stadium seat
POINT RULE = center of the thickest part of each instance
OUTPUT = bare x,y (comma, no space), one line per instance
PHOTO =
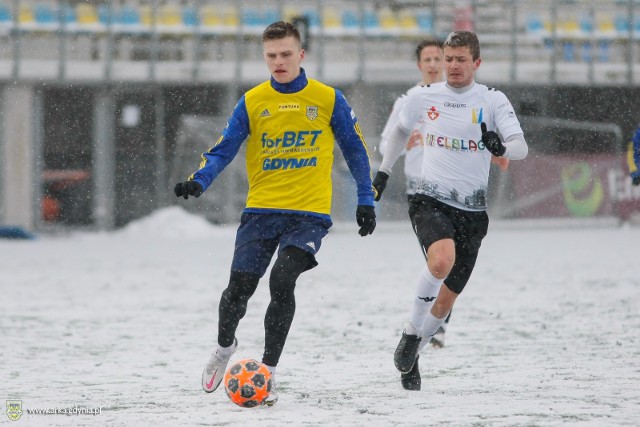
86,14
330,18
26,15
407,21
170,15
146,15
209,16
230,17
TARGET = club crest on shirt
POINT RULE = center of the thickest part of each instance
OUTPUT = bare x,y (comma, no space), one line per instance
433,113
312,112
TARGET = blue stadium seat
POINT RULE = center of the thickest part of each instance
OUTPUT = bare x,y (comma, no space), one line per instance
251,18
350,19
128,20
270,16
621,22
603,51
586,24
45,18
190,17
314,18
5,14
568,51
425,22
371,20
587,51
105,15
534,24
6,20
128,15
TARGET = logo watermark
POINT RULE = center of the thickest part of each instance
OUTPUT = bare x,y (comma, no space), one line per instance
15,410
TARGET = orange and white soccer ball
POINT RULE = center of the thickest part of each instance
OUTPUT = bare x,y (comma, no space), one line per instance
247,383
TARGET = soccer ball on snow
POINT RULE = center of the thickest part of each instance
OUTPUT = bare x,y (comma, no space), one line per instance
247,383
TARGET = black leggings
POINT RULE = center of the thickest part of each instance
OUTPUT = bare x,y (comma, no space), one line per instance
290,264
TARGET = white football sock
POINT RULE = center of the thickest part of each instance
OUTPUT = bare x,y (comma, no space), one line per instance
272,369
430,326
427,290
427,339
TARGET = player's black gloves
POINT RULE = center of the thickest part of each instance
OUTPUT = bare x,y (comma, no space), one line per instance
188,188
492,141
635,180
379,184
366,218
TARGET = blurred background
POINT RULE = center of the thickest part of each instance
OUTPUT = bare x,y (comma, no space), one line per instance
105,105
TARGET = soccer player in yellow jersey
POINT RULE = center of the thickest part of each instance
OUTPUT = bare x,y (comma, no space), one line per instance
290,124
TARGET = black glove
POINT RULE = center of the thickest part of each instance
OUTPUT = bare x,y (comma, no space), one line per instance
366,218
635,180
379,184
188,188
492,141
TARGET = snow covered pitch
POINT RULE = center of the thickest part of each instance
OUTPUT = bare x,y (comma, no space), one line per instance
547,332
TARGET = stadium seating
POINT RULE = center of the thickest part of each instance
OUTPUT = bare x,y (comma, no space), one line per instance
603,24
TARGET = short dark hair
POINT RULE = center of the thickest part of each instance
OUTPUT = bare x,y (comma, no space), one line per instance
464,39
425,43
280,30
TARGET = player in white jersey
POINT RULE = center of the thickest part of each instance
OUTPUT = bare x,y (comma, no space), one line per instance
429,59
448,212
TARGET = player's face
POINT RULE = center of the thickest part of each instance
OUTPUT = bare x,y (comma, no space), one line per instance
283,57
430,64
459,66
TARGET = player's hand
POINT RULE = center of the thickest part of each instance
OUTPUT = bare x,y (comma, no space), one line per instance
379,183
366,218
635,180
492,141
501,162
188,188
414,140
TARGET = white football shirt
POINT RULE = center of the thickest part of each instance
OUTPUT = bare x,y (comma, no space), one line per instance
455,164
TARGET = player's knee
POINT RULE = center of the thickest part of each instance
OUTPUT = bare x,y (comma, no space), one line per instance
291,262
241,286
440,265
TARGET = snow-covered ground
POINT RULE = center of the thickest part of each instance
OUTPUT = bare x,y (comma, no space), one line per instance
547,332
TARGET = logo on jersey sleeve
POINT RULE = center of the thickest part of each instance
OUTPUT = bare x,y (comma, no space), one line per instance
476,116
433,113
312,112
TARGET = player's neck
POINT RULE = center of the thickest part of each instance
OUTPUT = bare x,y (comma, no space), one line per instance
462,89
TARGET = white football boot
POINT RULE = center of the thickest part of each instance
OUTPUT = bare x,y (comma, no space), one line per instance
214,370
273,394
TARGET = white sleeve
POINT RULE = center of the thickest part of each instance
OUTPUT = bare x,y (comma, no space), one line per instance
411,110
516,147
392,121
397,141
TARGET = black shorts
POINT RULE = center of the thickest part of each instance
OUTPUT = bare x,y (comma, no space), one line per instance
433,220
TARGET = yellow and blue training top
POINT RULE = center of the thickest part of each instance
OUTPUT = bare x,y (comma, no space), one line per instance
290,131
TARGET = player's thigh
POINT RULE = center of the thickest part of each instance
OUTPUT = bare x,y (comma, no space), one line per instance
256,242
305,233
430,221
471,228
